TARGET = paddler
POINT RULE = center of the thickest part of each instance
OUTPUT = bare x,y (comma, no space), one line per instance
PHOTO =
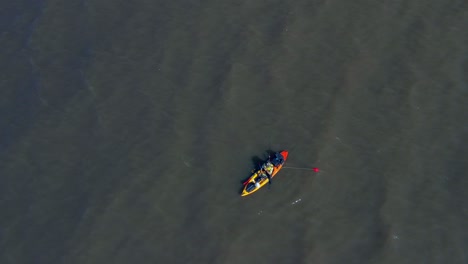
268,168
263,174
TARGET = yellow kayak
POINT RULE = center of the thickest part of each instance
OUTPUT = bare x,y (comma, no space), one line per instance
268,170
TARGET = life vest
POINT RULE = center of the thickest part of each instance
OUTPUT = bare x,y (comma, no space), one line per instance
269,168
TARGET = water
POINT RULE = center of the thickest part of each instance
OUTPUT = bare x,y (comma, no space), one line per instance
127,128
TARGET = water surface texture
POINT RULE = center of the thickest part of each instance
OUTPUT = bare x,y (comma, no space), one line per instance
126,128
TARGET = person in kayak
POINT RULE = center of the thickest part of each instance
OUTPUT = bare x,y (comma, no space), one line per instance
261,176
268,168
259,179
264,175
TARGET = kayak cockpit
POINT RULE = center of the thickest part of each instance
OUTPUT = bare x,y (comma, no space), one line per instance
250,187
257,182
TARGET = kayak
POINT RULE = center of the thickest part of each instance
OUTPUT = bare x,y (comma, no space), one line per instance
260,177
